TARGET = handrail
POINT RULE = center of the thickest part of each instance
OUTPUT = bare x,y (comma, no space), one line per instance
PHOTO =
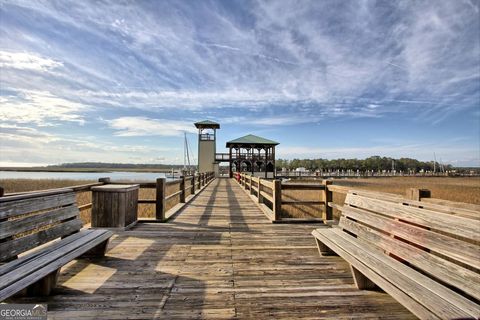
194,183
302,186
262,190
268,193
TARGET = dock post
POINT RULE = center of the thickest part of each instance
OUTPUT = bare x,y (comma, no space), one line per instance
251,182
277,199
328,197
193,183
260,198
160,199
182,189
2,191
417,194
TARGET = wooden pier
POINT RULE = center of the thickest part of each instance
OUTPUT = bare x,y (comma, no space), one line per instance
218,258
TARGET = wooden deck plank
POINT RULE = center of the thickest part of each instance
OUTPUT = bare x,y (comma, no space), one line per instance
220,258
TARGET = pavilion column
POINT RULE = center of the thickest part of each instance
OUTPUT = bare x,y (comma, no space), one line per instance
265,163
273,161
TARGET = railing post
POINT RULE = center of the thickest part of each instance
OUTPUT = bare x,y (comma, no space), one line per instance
202,178
160,199
182,189
104,180
260,198
417,194
251,182
277,199
328,197
2,191
193,183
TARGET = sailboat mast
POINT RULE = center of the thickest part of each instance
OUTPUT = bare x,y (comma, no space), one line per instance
187,149
184,151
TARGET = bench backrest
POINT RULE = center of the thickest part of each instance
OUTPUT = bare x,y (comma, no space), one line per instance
439,243
29,220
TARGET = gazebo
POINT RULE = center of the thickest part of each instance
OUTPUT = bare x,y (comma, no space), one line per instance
252,154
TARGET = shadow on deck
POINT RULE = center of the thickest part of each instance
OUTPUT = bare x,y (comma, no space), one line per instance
219,258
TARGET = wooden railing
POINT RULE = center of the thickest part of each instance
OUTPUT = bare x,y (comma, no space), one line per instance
268,193
183,187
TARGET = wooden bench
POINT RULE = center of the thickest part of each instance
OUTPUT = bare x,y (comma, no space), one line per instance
29,221
426,259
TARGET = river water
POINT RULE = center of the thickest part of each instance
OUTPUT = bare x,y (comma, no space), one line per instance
114,175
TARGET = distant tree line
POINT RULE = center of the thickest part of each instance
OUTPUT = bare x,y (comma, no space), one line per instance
97,165
375,163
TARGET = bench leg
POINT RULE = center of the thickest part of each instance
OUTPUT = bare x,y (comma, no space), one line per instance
98,251
324,250
362,282
44,286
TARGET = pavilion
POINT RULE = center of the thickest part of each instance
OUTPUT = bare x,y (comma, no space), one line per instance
252,154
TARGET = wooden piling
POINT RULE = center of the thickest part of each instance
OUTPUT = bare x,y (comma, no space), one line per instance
160,200
417,194
277,199
182,189
328,197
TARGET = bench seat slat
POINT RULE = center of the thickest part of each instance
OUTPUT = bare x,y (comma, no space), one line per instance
37,253
459,226
462,251
327,237
12,248
463,279
9,209
36,269
433,296
12,227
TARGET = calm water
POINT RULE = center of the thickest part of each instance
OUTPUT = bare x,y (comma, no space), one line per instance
116,175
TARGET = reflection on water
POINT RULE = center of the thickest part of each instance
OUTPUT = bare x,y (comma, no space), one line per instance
116,175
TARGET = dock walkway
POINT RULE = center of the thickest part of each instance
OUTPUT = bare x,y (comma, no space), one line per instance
220,257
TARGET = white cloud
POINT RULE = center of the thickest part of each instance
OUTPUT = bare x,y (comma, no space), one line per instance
23,146
27,61
142,126
40,107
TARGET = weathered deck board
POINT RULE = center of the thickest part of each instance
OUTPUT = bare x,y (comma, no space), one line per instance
219,258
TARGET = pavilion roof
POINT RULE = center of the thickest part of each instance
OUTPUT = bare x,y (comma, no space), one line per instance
251,140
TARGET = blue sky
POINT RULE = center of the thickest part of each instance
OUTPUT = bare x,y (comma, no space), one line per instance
120,81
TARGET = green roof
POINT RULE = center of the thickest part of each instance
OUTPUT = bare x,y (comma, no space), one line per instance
251,139
207,124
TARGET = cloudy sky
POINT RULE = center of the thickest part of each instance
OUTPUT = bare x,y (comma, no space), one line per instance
120,81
